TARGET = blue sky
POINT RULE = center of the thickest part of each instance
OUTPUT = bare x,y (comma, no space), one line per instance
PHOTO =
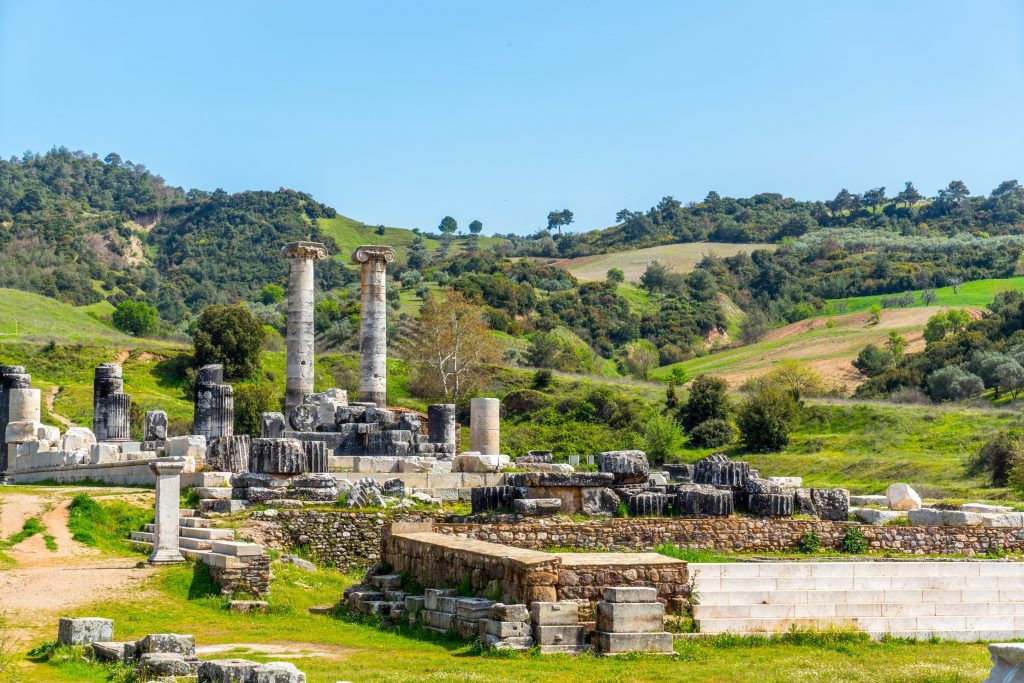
402,112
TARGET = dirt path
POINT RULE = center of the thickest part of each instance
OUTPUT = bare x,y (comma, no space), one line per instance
49,398
43,584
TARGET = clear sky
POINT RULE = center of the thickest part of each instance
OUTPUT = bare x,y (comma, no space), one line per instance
402,112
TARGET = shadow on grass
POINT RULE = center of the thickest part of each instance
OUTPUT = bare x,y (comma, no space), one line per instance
202,585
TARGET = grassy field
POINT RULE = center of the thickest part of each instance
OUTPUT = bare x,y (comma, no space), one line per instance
350,233
865,447
25,316
329,649
678,257
827,344
974,294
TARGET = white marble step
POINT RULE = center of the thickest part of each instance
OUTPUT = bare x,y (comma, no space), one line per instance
859,583
830,610
208,534
892,625
790,597
711,570
185,552
964,636
183,541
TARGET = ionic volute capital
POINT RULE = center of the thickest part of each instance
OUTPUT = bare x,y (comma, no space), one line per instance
371,252
313,251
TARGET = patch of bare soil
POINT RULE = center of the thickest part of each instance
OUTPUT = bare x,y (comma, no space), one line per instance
285,649
122,356
49,398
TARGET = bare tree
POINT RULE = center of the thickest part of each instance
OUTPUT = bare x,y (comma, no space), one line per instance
451,348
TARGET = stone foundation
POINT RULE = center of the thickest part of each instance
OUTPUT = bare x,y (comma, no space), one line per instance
250,575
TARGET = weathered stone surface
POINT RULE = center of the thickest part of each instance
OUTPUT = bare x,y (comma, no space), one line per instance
758,485
505,629
603,501
627,594
502,612
477,462
248,606
111,651
720,471
191,446
1007,663
960,518
317,453
226,671
168,502
511,643
84,630
536,506
305,417
365,493
154,426
902,497
560,479
637,617
697,499
277,456
647,504
787,482
873,516
484,425
861,501
487,498
229,453
76,438
981,508
277,672
621,643
111,407
21,432
627,467
771,504
257,494
554,613
48,433
272,425
166,664
1008,519
536,457
925,517
373,260
559,635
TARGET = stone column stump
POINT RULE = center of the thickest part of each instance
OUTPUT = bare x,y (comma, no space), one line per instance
165,526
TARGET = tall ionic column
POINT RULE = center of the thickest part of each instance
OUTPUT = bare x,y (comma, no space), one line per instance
299,342
373,323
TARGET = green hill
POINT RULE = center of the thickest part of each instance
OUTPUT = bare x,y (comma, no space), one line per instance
25,316
974,294
350,233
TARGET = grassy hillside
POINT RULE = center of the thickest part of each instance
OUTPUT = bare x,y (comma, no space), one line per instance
828,344
975,294
678,257
31,316
350,233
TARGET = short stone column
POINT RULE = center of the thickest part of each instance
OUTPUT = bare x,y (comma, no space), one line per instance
214,413
111,407
485,425
299,340
165,524
11,376
154,428
373,323
441,423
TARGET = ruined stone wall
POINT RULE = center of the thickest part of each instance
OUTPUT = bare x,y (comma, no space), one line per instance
250,576
737,534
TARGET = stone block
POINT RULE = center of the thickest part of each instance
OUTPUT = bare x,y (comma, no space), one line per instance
277,672
960,518
191,446
476,462
441,621
718,470
167,643
248,606
432,595
84,630
448,603
621,643
502,612
512,643
1009,519
166,665
505,629
555,613
981,508
630,617
925,517
77,438
415,603
226,671
229,453
104,453
48,433
21,432
536,507
861,501
771,504
571,636
628,467
873,516
627,594
902,497
473,609
154,426
272,425
647,504
278,456
237,548
213,492
831,504
787,482
111,651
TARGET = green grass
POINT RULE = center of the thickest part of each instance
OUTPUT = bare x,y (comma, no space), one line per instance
105,525
865,447
692,555
350,233
974,294
178,600
31,527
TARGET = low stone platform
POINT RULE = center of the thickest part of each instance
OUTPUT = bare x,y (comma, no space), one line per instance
526,576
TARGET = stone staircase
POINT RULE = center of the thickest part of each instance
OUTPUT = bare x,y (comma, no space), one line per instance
195,535
963,601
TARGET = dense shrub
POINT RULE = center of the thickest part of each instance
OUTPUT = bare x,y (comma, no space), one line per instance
707,401
135,317
713,433
662,437
953,383
252,399
873,361
524,402
766,418
998,456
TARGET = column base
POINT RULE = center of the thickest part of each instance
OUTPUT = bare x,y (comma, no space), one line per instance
165,557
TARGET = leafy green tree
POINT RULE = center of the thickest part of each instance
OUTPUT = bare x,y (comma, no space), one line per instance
707,401
712,434
958,319
476,227
662,437
252,399
230,335
767,417
616,276
135,317
875,197
448,226
754,327
875,313
896,345
909,195
272,294
640,357
873,361
936,328
999,371
953,383
559,219
999,454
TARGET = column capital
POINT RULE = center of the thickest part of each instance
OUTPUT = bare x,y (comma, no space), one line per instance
373,252
167,466
307,250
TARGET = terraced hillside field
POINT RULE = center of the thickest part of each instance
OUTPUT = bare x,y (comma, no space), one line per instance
829,347
678,257
350,233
